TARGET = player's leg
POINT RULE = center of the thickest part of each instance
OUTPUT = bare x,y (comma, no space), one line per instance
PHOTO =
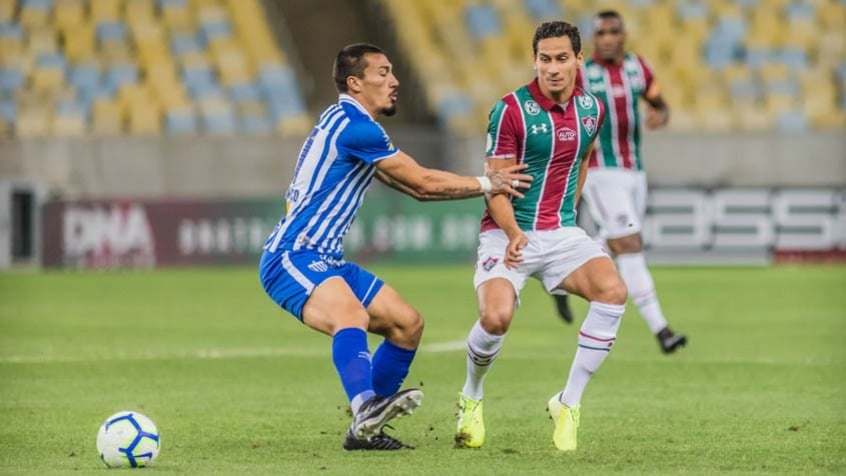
496,292
402,326
496,298
390,316
581,266
598,282
316,293
627,244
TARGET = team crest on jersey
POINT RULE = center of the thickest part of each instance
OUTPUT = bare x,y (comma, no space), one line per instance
589,122
566,134
531,107
586,102
489,263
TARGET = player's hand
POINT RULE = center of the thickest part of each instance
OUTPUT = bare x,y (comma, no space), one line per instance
507,180
514,250
656,118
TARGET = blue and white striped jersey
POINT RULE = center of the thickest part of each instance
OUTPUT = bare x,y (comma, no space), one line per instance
333,173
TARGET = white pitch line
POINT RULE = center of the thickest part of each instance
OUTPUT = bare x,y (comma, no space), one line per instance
201,354
436,347
444,346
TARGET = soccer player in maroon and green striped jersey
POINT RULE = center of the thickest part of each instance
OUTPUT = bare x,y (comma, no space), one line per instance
615,188
550,125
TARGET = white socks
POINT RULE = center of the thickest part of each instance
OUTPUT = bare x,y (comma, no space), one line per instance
596,336
482,349
636,275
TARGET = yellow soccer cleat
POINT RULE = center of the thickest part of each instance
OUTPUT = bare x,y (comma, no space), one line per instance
471,426
566,422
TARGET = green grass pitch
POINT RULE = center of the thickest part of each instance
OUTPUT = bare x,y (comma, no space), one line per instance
237,386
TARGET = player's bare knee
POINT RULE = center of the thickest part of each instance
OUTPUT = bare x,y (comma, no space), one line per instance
614,293
414,329
406,329
626,244
496,320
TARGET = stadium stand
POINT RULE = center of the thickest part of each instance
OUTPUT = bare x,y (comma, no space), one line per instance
725,65
143,67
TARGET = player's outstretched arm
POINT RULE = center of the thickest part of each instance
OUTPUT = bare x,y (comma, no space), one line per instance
403,173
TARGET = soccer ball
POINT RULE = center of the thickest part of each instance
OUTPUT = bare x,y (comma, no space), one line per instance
128,440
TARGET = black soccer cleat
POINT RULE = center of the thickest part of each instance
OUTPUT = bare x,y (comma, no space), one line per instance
380,442
563,307
670,341
377,411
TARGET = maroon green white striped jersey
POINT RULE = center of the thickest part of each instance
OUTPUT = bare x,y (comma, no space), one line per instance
620,87
552,139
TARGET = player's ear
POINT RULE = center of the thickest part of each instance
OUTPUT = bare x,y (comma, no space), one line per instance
353,84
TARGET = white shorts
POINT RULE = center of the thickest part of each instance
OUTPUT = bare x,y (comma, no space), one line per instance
616,199
549,257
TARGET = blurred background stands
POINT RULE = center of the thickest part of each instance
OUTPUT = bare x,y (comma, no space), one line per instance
725,65
143,67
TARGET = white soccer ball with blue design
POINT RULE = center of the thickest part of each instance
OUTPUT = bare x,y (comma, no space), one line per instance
128,439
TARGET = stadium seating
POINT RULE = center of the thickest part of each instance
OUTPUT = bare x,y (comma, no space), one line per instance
724,65
143,67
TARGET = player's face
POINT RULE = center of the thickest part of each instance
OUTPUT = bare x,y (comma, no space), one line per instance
556,64
608,38
378,88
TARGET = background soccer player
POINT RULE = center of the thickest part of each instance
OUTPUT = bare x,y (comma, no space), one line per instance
550,125
615,189
303,269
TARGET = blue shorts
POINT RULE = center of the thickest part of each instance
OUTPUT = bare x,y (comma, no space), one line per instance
289,277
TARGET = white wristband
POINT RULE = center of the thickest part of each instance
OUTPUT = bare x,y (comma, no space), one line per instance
485,183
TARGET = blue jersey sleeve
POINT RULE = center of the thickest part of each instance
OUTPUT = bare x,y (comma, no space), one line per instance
367,141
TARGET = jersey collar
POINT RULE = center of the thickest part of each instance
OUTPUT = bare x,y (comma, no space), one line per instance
343,97
544,102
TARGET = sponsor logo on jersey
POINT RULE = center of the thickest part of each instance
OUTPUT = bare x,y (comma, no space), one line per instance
566,134
318,266
531,107
489,263
586,102
539,129
589,122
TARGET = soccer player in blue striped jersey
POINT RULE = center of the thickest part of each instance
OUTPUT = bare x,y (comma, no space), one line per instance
303,268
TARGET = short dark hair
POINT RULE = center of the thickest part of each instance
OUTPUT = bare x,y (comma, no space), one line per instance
555,29
610,15
350,62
